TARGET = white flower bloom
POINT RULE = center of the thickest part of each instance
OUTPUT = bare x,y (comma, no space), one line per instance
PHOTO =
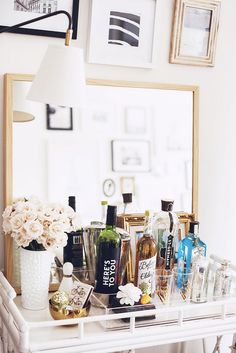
7,212
30,215
17,221
33,229
75,222
27,219
61,239
21,238
6,225
25,206
55,228
128,294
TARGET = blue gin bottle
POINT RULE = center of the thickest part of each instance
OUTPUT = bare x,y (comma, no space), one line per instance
189,248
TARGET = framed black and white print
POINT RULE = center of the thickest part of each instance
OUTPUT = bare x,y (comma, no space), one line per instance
130,156
17,11
122,32
59,117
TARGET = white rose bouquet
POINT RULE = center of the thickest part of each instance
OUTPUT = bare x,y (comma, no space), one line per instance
35,226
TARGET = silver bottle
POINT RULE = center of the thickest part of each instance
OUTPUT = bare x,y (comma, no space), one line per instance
223,279
200,267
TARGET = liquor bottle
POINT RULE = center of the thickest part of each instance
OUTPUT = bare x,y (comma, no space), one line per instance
73,251
108,255
165,231
146,252
189,247
200,267
129,205
103,211
223,279
66,282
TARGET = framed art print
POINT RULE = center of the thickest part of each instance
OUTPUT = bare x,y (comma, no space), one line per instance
194,33
122,32
135,120
130,156
59,117
15,11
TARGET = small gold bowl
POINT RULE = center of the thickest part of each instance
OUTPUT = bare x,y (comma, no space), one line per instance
67,312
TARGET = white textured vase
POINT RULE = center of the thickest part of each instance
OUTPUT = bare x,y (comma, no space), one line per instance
35,275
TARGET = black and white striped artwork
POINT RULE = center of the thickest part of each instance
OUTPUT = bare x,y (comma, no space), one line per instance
124,29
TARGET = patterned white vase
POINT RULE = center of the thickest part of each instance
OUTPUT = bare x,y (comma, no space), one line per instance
35,275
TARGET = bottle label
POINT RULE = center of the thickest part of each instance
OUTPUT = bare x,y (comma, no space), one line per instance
169,252
146,275
107,269
73,251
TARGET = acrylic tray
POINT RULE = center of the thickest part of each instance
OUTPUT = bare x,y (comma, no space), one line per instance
158,313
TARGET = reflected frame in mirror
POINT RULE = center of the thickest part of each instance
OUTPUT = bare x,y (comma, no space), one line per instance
8,140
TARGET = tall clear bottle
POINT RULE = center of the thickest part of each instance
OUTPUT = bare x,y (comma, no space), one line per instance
223,279
165,231
73,251
129,206
200,268
108,255
145,267
103,211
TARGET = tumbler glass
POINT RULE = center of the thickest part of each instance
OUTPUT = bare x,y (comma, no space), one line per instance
182,286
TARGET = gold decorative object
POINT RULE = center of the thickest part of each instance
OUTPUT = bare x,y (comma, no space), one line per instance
60,299
67,311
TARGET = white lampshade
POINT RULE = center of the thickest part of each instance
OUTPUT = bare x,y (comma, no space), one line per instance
23,110
60,79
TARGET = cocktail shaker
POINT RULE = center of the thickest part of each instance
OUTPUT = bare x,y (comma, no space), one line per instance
90,236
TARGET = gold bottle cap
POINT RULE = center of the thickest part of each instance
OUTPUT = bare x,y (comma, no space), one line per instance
103,203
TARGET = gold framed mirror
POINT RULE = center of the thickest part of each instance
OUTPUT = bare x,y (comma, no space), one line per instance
112,107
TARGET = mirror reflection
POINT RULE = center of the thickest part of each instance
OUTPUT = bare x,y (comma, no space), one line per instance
125,139
128,137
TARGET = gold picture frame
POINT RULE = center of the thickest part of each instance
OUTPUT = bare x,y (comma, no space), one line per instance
194,32
134,223
184,220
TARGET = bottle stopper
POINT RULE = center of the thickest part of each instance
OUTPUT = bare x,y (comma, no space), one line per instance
67,269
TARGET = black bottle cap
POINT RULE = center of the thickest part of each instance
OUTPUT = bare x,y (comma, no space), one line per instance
111,215
72,202
194,227
167,205
127,197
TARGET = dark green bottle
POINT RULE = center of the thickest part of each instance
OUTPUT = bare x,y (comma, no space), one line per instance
108,255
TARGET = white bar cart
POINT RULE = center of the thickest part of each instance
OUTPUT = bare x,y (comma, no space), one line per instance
25,331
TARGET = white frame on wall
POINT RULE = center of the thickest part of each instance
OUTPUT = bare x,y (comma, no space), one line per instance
140,34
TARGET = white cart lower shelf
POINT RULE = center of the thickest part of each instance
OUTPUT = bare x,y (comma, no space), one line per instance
27,331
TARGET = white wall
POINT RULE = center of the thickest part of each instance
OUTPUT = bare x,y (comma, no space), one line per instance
217,170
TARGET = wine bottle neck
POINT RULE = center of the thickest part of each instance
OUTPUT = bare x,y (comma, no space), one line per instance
110,227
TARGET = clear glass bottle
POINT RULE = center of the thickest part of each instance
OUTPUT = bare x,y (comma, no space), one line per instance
189,247
200,268
129,204
165,230
145,267
103,211
108,255
223,279
73,251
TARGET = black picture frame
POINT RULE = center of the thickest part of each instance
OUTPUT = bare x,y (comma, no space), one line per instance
50,114
48,32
